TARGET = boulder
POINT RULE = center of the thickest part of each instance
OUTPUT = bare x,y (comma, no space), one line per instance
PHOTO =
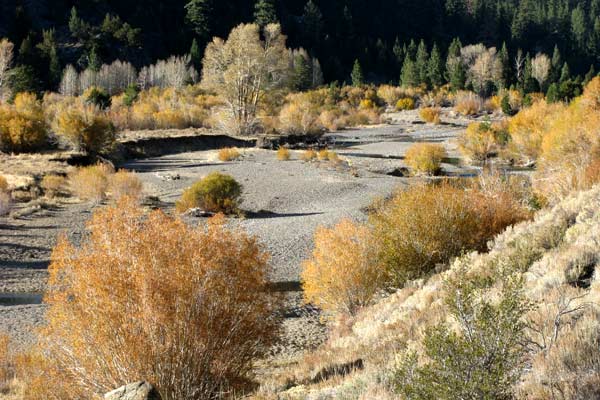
141,390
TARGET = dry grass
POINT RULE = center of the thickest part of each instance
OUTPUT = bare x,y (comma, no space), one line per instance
90,183
229,154
283,154
467,103
425,158
5,202
53,185
125,183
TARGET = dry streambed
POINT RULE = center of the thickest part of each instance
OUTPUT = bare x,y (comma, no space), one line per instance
284,202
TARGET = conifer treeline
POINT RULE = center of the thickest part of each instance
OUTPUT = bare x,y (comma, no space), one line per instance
51,34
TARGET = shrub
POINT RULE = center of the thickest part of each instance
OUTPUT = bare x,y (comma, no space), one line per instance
342,275
3,183
229,154
405,103
188,309
299,115
478,355
425,158
430,114
528,128
125,183
215,193
308,155
367,104
90,183
85,129
467,103
53,185
6,362
283,154
22,126
323,154
425,226
481,140
130,95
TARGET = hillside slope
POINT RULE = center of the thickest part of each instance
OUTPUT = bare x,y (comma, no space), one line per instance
555,256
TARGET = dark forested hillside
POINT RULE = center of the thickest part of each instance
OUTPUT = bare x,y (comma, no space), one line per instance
376,32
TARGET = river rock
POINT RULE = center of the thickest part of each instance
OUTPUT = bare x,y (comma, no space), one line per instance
141,390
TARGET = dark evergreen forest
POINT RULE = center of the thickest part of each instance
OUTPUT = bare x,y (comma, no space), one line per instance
49,34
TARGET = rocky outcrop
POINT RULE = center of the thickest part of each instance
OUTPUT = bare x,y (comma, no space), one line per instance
134,391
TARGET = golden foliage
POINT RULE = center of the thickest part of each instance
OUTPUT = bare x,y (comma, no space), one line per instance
147,296
215,192
22,126
85,128
3,183
309,155
90,183
425,226
300,115
528,127
425,158
405,103
283,154
481,140
125,183
430,114
342,275
6,362
228,154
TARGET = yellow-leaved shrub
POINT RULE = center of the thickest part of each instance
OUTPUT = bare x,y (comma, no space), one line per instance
85,128
22,126
425,158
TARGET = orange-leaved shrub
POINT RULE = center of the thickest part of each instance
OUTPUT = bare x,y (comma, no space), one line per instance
342,274
425,226
6,362
283,154
430,114
144,295
216,192
3,183
425,158
85,128
228,154
308,155
22,125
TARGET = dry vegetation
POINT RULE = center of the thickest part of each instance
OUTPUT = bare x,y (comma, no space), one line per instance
184,308
228,154
531,298
425,158
430,114
215,192
283,154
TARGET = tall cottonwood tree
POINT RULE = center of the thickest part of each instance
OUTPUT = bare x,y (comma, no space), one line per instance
242,69
6,58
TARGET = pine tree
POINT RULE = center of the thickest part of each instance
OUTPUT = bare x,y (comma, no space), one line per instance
54,70
506,74
565,73
435,68
455,70
356,76
579,27
198,17
529,83
195,55
556,65
94,62
409,76
303,74
76,24
421,63
398,52
552,95
411,50
265,13
312,19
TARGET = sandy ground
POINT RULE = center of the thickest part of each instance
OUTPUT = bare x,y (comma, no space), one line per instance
284,201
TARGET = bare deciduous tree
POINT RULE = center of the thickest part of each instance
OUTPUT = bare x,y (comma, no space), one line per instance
540,68
243,68
6,57
69,84
483,65
175,72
